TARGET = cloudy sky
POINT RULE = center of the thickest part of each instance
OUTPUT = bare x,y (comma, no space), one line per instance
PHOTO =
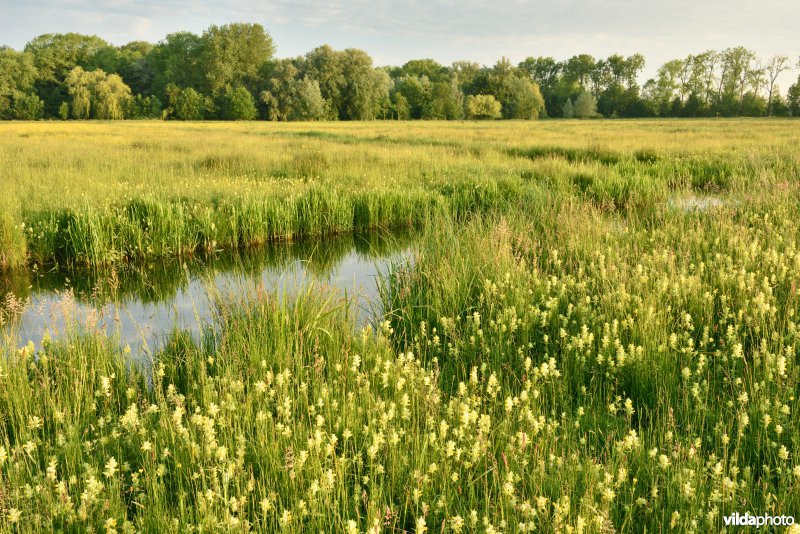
446,30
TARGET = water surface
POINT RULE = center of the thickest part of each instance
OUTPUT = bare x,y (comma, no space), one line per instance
140,305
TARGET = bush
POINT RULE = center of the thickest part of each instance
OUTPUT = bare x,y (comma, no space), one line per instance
483,107
186,104
238,105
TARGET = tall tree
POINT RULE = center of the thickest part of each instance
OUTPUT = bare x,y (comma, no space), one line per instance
238,105
775,66
579,69
290,97
96,94
234,55
426,67
323,64
176,60
545,71
585,106
54,56
793,97
466,72
17,78
365,87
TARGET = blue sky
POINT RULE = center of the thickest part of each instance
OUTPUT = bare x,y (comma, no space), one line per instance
446,30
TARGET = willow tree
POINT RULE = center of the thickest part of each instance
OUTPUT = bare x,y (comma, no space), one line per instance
483,107
78,83
111,94
96,94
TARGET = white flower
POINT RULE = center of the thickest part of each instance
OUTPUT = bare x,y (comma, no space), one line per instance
14,515
111,467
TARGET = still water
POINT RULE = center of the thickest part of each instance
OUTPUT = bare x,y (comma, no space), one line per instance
142,304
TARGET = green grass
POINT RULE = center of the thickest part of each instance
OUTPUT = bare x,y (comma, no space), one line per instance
572,349
103,193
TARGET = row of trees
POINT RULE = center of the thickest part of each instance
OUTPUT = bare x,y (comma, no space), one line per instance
229,72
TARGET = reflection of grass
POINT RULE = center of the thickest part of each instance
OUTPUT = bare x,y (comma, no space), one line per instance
151,282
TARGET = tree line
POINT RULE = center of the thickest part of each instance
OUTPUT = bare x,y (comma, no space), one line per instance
230,73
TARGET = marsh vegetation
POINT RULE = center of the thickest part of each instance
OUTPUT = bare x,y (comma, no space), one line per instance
598,331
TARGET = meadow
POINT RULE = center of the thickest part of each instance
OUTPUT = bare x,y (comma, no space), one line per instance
598,333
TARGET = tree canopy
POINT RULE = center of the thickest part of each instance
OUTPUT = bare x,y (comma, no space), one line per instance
229,72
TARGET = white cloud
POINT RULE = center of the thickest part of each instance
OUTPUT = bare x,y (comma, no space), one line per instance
394,31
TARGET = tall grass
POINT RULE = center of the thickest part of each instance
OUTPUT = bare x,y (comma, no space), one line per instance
101,194
12,235
570,350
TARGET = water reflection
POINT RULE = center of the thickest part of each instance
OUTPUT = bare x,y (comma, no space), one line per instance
144,303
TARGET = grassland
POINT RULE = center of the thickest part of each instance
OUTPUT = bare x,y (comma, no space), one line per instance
599,332
97,194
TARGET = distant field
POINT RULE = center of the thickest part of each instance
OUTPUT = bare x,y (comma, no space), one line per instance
98,193
599,330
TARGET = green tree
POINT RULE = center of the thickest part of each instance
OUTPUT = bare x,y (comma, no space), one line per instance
545,72
290,97
111,95
585,106
136,67
466,72
483,107
176,61
185,104
793,98
664,89
309,104
54,56
17,71
234,55
525,100
416,92
17,77
519,97
774,68
79,84
446,102
238,105
96,94
434,71
323,64
27,107
364,88
567,110
579,69
280,96
143,107
63,111
400,106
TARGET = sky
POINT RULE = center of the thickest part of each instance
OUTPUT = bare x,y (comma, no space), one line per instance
446,30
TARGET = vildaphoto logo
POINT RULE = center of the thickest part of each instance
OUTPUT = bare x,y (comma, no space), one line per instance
748,520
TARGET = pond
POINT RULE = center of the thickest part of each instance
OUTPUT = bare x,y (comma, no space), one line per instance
142,304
